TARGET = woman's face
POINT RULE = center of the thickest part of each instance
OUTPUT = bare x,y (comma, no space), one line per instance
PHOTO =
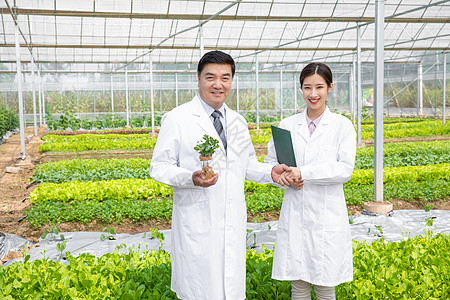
315,92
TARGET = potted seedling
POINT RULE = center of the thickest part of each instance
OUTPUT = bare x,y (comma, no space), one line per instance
206,148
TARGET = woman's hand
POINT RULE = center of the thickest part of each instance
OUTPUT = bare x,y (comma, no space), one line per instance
294,177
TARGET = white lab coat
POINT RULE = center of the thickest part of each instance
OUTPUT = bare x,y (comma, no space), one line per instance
208,224
313,240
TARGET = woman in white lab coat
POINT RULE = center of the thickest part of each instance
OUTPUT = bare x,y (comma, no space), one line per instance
313,244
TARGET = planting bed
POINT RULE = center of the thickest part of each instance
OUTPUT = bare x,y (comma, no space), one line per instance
99,182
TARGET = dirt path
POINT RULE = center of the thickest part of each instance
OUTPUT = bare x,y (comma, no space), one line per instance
13,186
13,190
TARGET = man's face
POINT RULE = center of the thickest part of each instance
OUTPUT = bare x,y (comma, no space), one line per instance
214,84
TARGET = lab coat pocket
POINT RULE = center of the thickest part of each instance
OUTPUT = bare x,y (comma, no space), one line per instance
194,211
327,154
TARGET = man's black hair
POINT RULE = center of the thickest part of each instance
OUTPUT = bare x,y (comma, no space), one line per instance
216,57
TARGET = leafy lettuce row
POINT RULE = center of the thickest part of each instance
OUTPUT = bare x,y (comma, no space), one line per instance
259,199
415,268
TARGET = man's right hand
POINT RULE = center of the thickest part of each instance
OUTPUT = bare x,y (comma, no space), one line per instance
198,181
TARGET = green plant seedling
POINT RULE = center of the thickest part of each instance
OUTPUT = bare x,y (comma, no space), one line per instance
110,232
156,234
207,146
428,220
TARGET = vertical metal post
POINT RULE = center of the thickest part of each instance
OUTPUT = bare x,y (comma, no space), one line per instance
237,93
126,98
401,103
60,93
112,93
353,88
387,92
295,94
436,69
44,112
200,37
22,154
34,95
151,95
176,89
78,99
444,89
359,84
160,92
379,98
40,97
281,93
257,92
420,91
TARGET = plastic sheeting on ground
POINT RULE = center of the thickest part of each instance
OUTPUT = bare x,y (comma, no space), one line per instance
401,224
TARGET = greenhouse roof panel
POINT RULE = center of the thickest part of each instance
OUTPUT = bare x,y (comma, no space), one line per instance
290,30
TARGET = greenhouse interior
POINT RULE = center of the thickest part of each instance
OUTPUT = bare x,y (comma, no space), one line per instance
84,90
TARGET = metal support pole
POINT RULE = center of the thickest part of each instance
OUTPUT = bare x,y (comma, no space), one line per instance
78,99
420,91
237,93
40,97
281,93
353,88
379,98
95,96
176,89
151,95
160,92
112,93
257,92
44,112
22,154
200,37
34,96
295,94
126,97
444,89
436,69
359,84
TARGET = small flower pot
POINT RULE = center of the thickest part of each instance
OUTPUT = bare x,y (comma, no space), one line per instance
207,171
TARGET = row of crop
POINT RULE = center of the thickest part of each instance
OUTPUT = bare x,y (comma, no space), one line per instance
414,268
396,130
8,121
106,131
87,142
406,154
98,142
92,170
395,155
147,188
259,199
68,121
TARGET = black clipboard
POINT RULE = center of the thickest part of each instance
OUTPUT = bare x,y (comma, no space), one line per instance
283,146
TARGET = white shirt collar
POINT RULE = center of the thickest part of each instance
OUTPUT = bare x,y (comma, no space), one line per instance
209,110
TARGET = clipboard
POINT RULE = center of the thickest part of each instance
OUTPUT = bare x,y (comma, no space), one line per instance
283,146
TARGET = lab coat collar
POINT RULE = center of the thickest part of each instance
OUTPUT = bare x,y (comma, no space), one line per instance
205,122
303,126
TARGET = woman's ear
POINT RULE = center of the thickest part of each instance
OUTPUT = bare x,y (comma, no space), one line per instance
330,87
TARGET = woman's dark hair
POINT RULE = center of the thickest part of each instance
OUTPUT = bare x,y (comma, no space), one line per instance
216,57
317,68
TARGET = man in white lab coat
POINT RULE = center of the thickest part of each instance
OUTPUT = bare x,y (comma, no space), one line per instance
209,216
